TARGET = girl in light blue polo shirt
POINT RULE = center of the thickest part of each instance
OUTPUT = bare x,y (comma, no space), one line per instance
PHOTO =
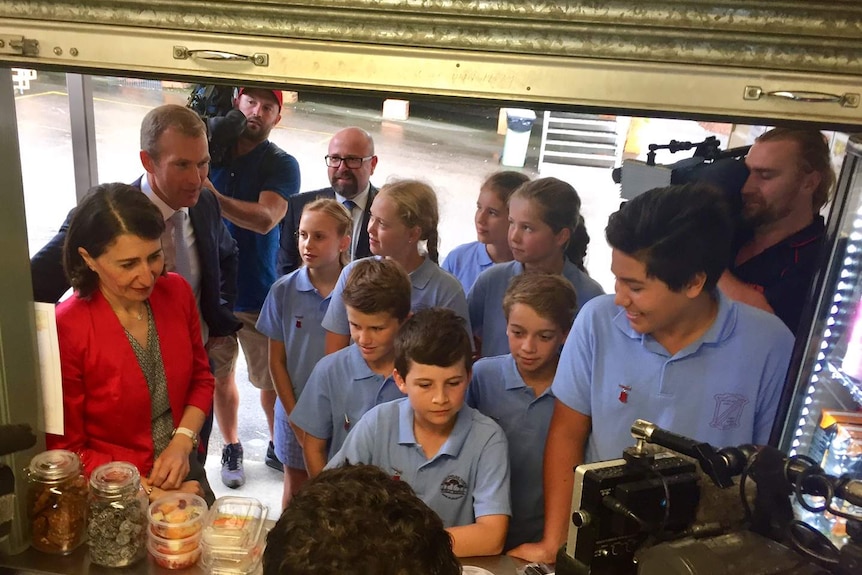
291,317
546,234
467,261
515,389
404,215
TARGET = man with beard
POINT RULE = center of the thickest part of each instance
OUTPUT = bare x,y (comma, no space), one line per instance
350,162
252,191
790,179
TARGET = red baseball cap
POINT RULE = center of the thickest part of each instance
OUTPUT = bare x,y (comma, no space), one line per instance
279,97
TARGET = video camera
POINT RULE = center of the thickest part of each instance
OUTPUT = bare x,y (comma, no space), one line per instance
724,169
644,513
214,104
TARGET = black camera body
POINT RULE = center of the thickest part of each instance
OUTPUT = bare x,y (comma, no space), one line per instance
616,504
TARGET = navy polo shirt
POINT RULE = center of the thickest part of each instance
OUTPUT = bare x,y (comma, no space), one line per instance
783,272
267,167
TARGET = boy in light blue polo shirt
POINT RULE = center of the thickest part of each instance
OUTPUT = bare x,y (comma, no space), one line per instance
431,287
486,297
454,457
515,389
346,384
668,348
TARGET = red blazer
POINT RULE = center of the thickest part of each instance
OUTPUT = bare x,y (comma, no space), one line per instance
106,401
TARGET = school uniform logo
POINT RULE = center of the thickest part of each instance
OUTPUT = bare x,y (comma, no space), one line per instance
728,411
453,487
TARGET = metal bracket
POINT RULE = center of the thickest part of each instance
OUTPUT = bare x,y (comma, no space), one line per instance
848,100
18,45
183,53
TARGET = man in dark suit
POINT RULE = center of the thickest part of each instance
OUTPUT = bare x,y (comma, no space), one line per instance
350,162
175,155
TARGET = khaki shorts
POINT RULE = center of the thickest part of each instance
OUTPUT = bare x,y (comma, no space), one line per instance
255,348
223,355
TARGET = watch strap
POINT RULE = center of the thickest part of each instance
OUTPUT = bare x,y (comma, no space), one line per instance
188,433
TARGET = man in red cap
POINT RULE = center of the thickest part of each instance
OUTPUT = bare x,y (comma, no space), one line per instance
252,190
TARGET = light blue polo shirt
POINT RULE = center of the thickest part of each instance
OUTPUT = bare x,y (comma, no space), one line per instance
486,301
432,287
466,262
291,314
498,391
722,389
469,476
340,389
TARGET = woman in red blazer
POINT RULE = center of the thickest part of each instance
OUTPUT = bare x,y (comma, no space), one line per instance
114,259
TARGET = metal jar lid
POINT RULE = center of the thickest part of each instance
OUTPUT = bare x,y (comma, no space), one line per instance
54,465
115,479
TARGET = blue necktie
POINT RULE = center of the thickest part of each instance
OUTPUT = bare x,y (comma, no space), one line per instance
354,231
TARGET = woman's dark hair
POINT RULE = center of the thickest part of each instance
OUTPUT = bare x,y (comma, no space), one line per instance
677,232
559,206
106,212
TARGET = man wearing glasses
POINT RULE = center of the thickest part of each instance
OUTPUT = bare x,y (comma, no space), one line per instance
350,161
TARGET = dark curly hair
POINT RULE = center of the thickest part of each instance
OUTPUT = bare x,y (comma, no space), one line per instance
106,212
357,520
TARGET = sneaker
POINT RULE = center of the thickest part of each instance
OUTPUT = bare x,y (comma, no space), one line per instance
271,458
232,474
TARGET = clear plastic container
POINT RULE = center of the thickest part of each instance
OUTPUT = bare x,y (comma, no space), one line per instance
177,515
117,522
174,561
233,537
175,546
57,502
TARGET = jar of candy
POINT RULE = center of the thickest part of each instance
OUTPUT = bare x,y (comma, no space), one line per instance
56,502
118,515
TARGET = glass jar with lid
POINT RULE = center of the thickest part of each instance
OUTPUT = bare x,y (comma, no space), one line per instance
118,515
56,502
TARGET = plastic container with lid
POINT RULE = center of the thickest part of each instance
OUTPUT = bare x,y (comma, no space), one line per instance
233,536
174,546
177,515
174,560
57,502
118,515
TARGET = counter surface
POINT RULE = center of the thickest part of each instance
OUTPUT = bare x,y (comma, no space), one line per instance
78,563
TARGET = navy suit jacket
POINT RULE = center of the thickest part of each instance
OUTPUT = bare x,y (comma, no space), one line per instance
218,260
288,252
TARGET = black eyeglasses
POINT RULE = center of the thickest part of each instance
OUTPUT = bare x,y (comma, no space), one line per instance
351,162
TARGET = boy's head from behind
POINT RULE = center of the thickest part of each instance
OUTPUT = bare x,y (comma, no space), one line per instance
356,519
377,300
433,359
539,310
